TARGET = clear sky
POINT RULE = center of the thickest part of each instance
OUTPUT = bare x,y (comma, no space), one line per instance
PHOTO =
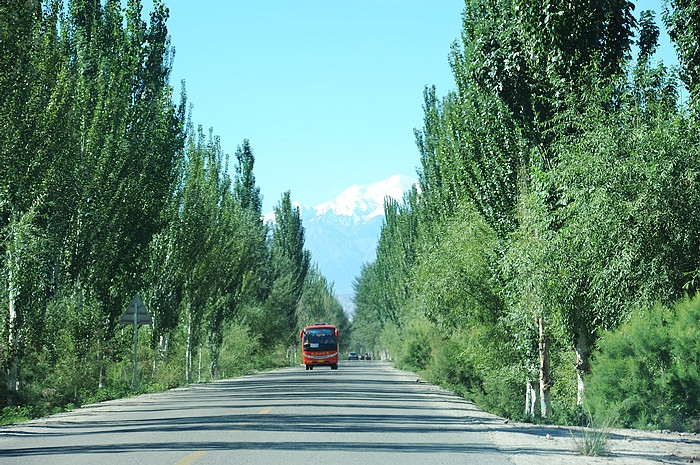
327,91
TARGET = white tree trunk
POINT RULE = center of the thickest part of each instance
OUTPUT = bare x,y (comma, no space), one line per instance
101,364
199,367
582,349
13,339
164,343
530,398
545,381
188,355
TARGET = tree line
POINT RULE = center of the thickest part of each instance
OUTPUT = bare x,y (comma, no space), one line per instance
543,265
108,189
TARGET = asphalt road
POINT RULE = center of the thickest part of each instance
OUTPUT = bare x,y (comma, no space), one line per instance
366,412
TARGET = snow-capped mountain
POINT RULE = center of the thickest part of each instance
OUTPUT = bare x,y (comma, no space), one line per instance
362,203
342,233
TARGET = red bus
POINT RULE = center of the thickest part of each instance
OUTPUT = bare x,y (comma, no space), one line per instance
319,346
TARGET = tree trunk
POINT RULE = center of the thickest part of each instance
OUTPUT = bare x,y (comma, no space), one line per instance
100,363
13,341
214,367
545,380
164,343
188,355
582,349
216,340
199,367
530,398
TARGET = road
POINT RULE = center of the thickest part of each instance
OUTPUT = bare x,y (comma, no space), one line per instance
366,412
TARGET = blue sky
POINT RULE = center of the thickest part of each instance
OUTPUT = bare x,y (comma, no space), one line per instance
327,91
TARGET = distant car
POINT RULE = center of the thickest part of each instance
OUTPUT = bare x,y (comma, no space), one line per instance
368,356
353,356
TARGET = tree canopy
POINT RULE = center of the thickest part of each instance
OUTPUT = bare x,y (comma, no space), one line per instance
558,194
108,189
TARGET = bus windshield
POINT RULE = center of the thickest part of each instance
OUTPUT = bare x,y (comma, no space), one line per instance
319,339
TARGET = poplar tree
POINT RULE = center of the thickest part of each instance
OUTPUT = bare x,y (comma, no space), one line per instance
318,304
88,151
241,253
290,265
197,237
29,66
521,65
682,20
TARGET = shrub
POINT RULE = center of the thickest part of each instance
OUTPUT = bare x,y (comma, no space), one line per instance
450,367
593,440
646,372
565,410
419,339
502,392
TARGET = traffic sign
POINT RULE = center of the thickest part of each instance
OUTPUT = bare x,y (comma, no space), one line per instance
136,314
136,307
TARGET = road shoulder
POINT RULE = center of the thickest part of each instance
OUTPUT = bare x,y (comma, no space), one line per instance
530,444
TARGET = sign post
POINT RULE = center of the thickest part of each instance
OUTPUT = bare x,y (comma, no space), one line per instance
136,314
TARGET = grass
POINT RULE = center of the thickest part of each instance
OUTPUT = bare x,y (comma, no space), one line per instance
593,441
14,415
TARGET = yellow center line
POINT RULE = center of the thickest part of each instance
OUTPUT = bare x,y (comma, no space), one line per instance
190,459
194,456
242,426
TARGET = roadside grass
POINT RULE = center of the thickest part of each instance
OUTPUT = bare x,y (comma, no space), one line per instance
23,413
13,415
592,441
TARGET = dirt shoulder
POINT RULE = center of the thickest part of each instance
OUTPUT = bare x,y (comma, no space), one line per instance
528,444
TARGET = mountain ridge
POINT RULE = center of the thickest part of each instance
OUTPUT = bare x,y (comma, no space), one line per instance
342,233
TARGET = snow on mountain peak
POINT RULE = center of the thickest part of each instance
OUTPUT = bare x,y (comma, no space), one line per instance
342,233
362,202
366,201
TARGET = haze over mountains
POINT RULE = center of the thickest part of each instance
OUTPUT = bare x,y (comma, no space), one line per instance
342,233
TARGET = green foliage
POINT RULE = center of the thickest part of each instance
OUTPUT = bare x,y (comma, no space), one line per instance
501,392
245,191
455,273
451,367
646,373
496,373
238,351
390,341
566,411
558,191
107,190
291,263
419,339
648,35
366,331
395,256
682,22
318,304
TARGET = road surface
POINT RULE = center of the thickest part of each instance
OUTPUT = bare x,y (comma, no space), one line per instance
366,412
